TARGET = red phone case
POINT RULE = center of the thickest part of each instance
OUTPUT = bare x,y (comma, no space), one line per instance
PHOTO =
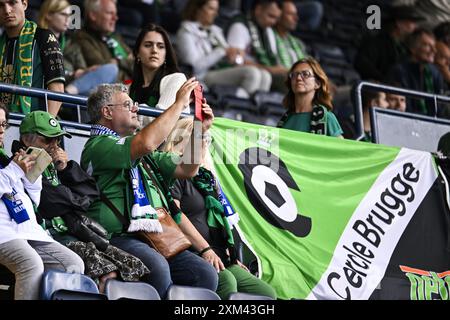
197,97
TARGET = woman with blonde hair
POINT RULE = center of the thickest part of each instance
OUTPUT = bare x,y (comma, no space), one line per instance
55,15
198,199
308,101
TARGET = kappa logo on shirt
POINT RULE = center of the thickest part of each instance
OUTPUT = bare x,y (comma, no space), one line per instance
121,141
51,38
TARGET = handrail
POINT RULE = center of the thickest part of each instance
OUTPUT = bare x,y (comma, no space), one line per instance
79,101
395,90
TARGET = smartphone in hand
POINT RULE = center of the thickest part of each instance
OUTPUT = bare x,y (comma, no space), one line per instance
43,159
197,98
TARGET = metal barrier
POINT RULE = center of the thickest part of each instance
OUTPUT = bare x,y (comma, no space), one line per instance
388,89
79,102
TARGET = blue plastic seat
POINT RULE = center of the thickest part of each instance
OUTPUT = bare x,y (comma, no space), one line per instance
247,296
57,284
177,292
115,290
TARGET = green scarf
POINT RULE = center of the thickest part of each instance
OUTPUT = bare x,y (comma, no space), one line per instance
23,63
51,175
319,120
261,52
204,183
116,49
283,46
173,209
428,86
62,41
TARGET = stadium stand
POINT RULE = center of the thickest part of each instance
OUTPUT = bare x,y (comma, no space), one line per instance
177,292
58,285
116,290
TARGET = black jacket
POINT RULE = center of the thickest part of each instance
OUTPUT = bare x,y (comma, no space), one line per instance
70,200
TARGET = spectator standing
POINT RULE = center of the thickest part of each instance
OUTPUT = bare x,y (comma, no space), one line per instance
30,57
202,45
308,101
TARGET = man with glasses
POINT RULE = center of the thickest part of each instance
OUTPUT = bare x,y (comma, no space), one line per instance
29,56
134,179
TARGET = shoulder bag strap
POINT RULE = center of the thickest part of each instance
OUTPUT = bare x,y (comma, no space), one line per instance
114,209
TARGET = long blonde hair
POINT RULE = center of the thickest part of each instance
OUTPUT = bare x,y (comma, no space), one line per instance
181,131
49,7
323,94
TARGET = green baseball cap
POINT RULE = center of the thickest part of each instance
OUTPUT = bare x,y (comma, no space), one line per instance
43,123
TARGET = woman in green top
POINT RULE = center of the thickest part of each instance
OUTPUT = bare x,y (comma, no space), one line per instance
308,101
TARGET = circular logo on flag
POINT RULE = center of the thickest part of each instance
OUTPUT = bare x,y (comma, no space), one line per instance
267,182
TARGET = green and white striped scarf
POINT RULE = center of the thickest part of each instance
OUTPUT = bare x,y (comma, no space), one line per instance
284,45
23,66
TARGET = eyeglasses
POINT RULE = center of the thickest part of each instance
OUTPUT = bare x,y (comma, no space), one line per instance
127,104
305,74
4,125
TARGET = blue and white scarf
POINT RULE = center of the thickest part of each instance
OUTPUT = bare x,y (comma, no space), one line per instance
15,207
143,215
231,215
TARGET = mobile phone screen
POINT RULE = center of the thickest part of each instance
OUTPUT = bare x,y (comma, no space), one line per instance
197,95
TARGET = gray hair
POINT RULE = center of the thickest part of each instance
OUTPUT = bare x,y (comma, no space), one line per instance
92,6
100,97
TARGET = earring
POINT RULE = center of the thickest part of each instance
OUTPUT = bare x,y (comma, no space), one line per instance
138,60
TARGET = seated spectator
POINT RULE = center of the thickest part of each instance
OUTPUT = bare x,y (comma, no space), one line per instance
202,45
198,199
377,54
113,136
289,48
308,101
98,41
396,102
371,98
255,36
156,76
419,73
442,61
442,32
67,192
30,57
54,15
25,248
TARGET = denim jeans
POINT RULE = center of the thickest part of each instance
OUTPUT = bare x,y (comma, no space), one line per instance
106,73
185,268
29,259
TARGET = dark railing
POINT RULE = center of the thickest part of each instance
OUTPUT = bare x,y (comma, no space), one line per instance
76,101
359,124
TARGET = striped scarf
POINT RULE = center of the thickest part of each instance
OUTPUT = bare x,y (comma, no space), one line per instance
260,45
287,48
143,216
23,67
